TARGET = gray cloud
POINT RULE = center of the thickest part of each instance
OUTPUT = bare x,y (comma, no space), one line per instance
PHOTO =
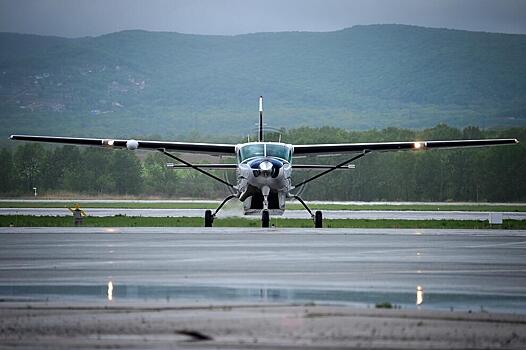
75,18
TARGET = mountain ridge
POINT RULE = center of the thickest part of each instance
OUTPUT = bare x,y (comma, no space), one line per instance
172,84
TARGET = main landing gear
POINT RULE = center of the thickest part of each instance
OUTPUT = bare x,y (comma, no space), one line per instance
317,216
318,219
209,216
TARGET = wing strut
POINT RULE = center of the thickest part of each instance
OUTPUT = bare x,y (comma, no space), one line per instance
333,168
162,150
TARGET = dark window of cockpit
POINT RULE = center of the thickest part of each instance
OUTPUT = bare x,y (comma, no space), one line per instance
251,151
278,151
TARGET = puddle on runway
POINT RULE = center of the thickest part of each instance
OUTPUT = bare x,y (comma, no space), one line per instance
113,292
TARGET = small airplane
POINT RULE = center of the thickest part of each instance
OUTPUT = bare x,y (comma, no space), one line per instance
264,169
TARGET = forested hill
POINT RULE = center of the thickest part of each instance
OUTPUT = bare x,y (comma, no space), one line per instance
137,83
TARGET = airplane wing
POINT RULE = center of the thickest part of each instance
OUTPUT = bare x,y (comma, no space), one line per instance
190,147
321,149
229,166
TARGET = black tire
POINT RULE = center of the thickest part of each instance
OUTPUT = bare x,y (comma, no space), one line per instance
209,219
265,219
318,219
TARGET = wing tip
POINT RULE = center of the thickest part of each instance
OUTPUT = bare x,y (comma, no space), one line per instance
12,137
516,141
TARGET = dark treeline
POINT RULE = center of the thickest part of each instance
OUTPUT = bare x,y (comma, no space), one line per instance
486,174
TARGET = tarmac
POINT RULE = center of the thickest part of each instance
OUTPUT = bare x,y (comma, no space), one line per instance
460,269
261,288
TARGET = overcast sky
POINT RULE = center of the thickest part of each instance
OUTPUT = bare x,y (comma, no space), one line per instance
76,18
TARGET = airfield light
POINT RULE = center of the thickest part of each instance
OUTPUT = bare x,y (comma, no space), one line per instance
419,295
110,290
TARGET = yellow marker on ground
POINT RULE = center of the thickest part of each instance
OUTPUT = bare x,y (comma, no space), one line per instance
78,214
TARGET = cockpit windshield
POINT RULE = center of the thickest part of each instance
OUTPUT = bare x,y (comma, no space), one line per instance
264,149
279,151
251,151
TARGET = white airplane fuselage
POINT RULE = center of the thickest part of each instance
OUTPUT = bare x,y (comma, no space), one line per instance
264,175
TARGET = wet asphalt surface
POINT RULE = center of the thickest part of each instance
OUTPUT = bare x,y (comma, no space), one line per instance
479,270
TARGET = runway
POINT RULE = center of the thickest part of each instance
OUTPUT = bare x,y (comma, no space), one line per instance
460,270
290,214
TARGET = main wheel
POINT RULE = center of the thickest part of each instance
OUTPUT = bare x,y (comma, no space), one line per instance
318,219
209,219
265,218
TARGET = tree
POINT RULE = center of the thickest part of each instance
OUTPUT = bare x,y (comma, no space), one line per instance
29,159
126,171
7,172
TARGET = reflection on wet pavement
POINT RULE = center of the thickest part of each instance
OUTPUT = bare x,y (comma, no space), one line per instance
130,293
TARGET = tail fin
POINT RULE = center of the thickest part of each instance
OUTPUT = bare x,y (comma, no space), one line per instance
260,135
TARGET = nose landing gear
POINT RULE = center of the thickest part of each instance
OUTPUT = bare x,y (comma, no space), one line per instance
265,215
265,218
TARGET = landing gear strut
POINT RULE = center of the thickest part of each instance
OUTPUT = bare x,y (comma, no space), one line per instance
317,216
209,217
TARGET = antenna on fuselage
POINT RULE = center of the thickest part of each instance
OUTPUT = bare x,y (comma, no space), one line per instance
260,135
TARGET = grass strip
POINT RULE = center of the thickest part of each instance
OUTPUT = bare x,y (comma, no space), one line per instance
129,221
416,207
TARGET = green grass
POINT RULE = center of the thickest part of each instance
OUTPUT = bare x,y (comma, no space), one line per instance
416,207
125,221
384,305
292,206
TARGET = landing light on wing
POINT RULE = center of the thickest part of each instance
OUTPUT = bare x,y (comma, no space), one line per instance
419,145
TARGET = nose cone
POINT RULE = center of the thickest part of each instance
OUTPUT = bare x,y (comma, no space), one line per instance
265,166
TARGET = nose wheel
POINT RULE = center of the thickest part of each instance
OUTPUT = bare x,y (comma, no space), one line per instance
265,219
